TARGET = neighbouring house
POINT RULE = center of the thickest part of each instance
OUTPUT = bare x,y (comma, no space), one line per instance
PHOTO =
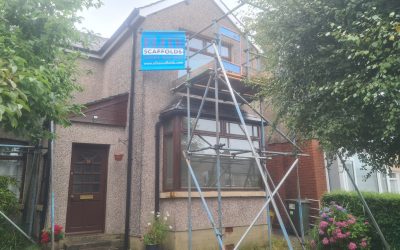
91,156
376,182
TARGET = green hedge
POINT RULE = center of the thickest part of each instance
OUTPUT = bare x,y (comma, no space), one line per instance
385,208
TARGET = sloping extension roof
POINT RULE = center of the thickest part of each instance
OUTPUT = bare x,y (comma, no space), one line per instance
111,111
103,46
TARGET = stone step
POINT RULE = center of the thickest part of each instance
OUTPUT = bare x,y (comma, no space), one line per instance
93,242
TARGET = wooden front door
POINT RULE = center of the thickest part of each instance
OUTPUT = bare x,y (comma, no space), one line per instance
87,189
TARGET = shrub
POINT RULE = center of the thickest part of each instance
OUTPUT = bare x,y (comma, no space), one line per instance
338,229
384,207
10,238
8,201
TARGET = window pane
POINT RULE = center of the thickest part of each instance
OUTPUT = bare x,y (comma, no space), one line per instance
196,43
202,142
169,149
235,129
210,49
197,61
370,184
349,165
384,182
11,151
200,60
202,125
255,131
243,144
224,51
394,186
238,173
14,169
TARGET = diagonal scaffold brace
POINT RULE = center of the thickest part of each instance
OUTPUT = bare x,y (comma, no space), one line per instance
255,154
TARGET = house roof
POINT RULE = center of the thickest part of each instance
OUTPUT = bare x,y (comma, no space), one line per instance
102,46
111,110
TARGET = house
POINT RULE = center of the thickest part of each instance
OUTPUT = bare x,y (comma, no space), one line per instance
91,156
91,184
93,161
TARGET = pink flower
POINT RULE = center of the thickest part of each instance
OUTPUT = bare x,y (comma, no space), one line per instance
323,224
341,224
352,246
351,221
312,243
366,223
363,244
321,232
337,231
332,240
330,219
325,241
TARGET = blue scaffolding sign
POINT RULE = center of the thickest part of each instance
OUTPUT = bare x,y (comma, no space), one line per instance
163,50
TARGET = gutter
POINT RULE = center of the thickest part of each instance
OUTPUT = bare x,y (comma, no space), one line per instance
130,132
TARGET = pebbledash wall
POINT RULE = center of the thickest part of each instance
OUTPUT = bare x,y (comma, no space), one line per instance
111,76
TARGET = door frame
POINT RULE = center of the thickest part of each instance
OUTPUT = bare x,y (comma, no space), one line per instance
94,145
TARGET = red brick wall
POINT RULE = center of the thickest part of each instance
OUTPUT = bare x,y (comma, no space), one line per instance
311,170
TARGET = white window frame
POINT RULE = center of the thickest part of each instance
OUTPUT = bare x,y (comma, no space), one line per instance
345,178
396,178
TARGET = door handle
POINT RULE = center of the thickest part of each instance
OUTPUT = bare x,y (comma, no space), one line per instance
72,196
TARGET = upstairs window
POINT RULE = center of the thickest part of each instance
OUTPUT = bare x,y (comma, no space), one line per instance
238,172
205,57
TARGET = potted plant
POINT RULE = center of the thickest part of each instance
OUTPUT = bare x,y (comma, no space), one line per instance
118,156
157,230
45,236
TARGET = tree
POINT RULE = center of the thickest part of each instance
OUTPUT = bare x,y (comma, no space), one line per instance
335,73
37,74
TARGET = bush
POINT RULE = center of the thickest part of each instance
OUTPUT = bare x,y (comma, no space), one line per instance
10,238
384,207
339,229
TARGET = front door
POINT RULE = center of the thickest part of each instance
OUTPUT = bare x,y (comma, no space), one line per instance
87,188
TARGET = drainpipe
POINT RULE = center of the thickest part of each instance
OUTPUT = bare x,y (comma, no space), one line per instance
157,169
130,143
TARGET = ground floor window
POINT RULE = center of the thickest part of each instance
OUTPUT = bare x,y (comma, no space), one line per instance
238,170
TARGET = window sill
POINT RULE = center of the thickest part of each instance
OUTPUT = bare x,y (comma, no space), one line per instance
212,194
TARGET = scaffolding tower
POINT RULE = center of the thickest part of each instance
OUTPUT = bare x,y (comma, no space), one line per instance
221,79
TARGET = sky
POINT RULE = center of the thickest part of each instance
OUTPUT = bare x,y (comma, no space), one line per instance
105,20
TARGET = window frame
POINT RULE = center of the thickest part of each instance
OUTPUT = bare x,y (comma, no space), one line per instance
176,134
206,40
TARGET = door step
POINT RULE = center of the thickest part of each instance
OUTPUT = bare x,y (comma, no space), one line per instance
93,242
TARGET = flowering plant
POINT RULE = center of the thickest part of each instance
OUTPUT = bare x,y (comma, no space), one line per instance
339,229
45,237
157,229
